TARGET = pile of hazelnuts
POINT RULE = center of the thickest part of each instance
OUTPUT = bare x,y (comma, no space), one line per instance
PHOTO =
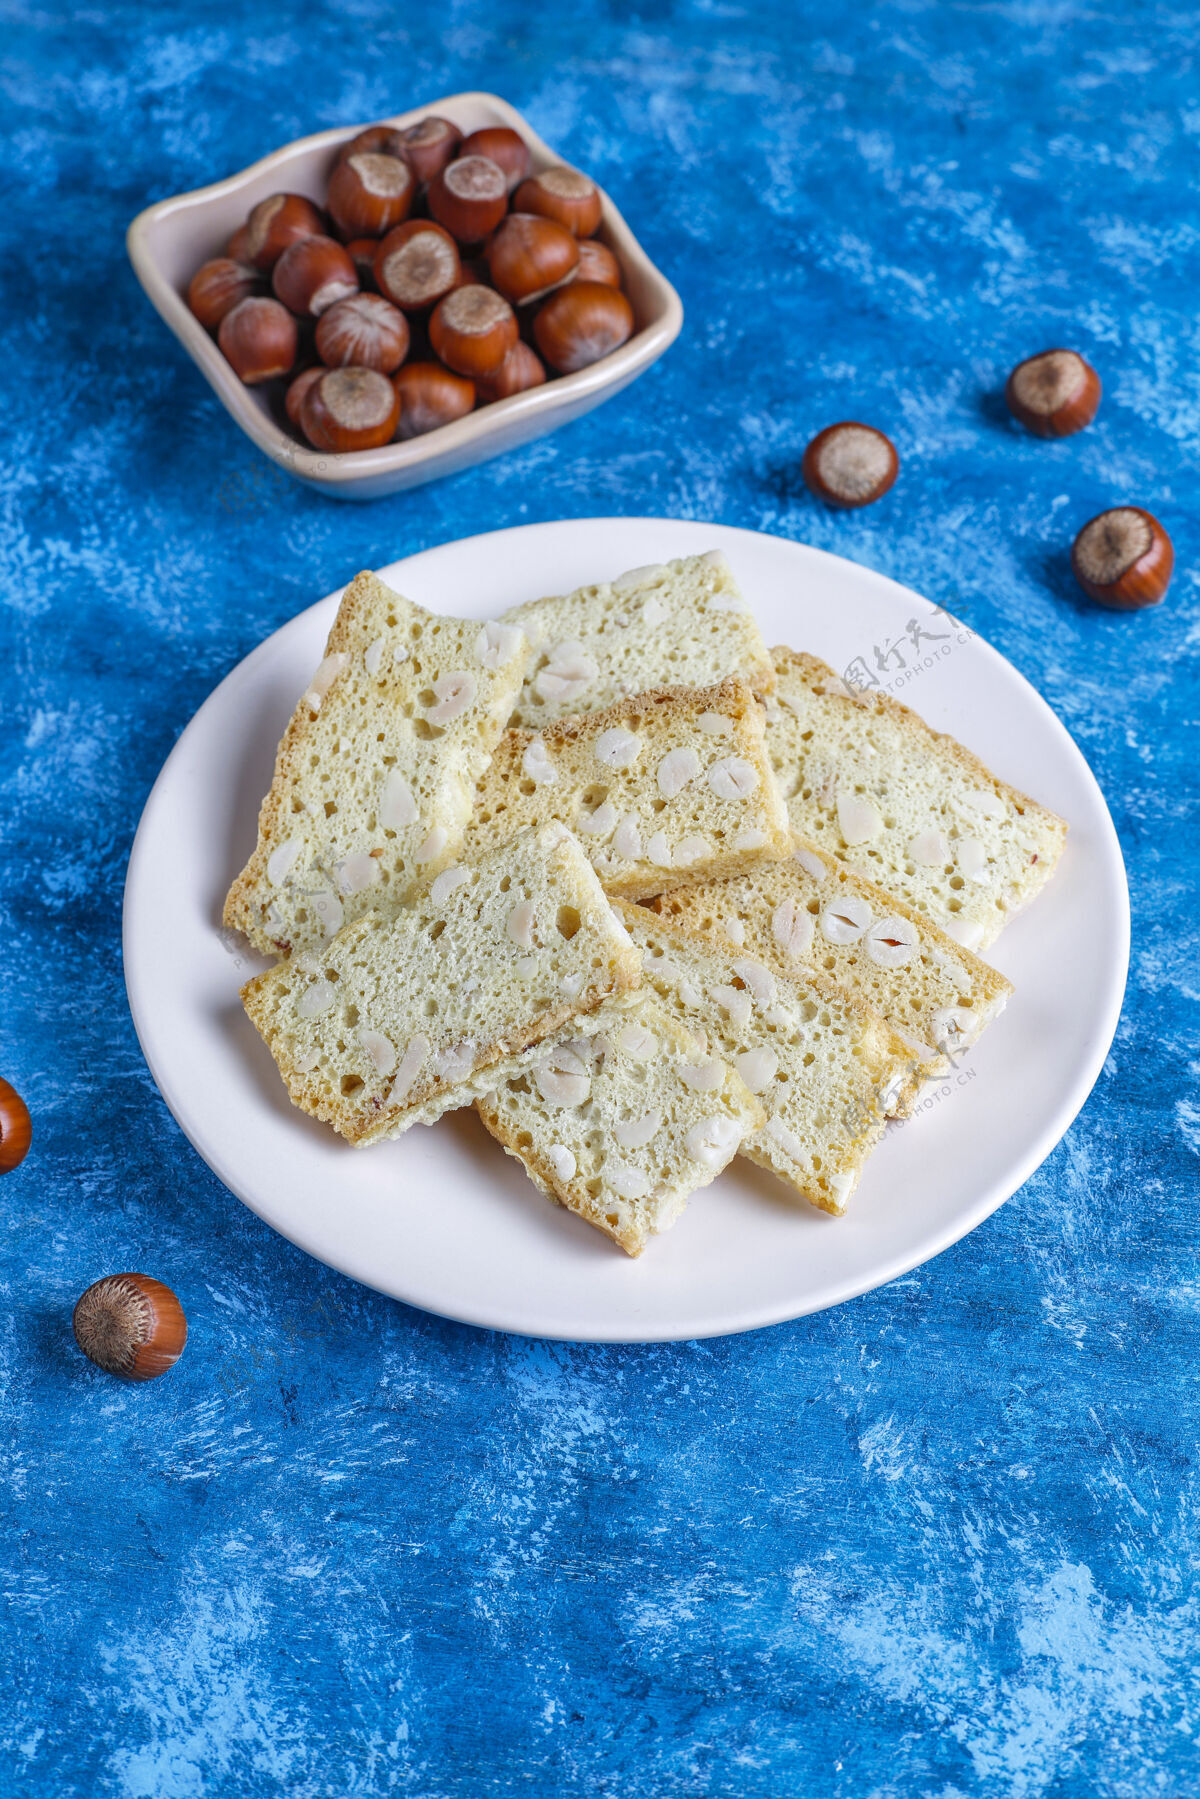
443,275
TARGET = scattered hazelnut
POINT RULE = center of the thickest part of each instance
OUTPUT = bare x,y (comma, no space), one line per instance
430,396
131,1325
313,275
1054,393
581,323
350,409
520,369
563,195
368,194
428,146
16,1130
416,264
365,331
258,338
293,400
597,263
217,286
504,147
276,222
473,329
850,464
527,256
1123,559
469,198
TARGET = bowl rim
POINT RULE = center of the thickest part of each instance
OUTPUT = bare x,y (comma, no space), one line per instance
331,468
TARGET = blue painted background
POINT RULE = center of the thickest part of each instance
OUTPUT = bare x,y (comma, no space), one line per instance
940,1543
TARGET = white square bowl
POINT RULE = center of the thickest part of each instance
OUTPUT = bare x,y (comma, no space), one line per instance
168,242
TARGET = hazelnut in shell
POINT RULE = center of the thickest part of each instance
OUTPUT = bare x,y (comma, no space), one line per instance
503,146
16,1128
521,369
218,286
374,140
350,409
850,465
368,194
314,275
597,263
528,256
429,396
472,330
564,195
581,323
259,340
130,1325
276,222
416,264
469,197
428,146
365,331
1123,559
1053,394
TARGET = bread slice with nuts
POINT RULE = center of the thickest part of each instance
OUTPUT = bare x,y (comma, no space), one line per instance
620,1118
825,1068
373,779
675,624
811,913
673,785
866,779
406,1015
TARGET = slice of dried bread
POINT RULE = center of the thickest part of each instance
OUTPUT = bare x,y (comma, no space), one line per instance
825,1068
909,808
620,1117
373,779
811,913
401,1017
682,624
673,780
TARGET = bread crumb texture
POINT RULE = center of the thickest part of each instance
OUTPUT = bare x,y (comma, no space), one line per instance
674,624
912,810
374,776
671,786
811,913
825,1069
400,1017
621,1116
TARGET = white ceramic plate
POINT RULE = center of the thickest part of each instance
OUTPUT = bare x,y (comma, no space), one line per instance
445,1221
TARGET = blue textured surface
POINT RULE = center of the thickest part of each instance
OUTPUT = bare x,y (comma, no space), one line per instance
940,1543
